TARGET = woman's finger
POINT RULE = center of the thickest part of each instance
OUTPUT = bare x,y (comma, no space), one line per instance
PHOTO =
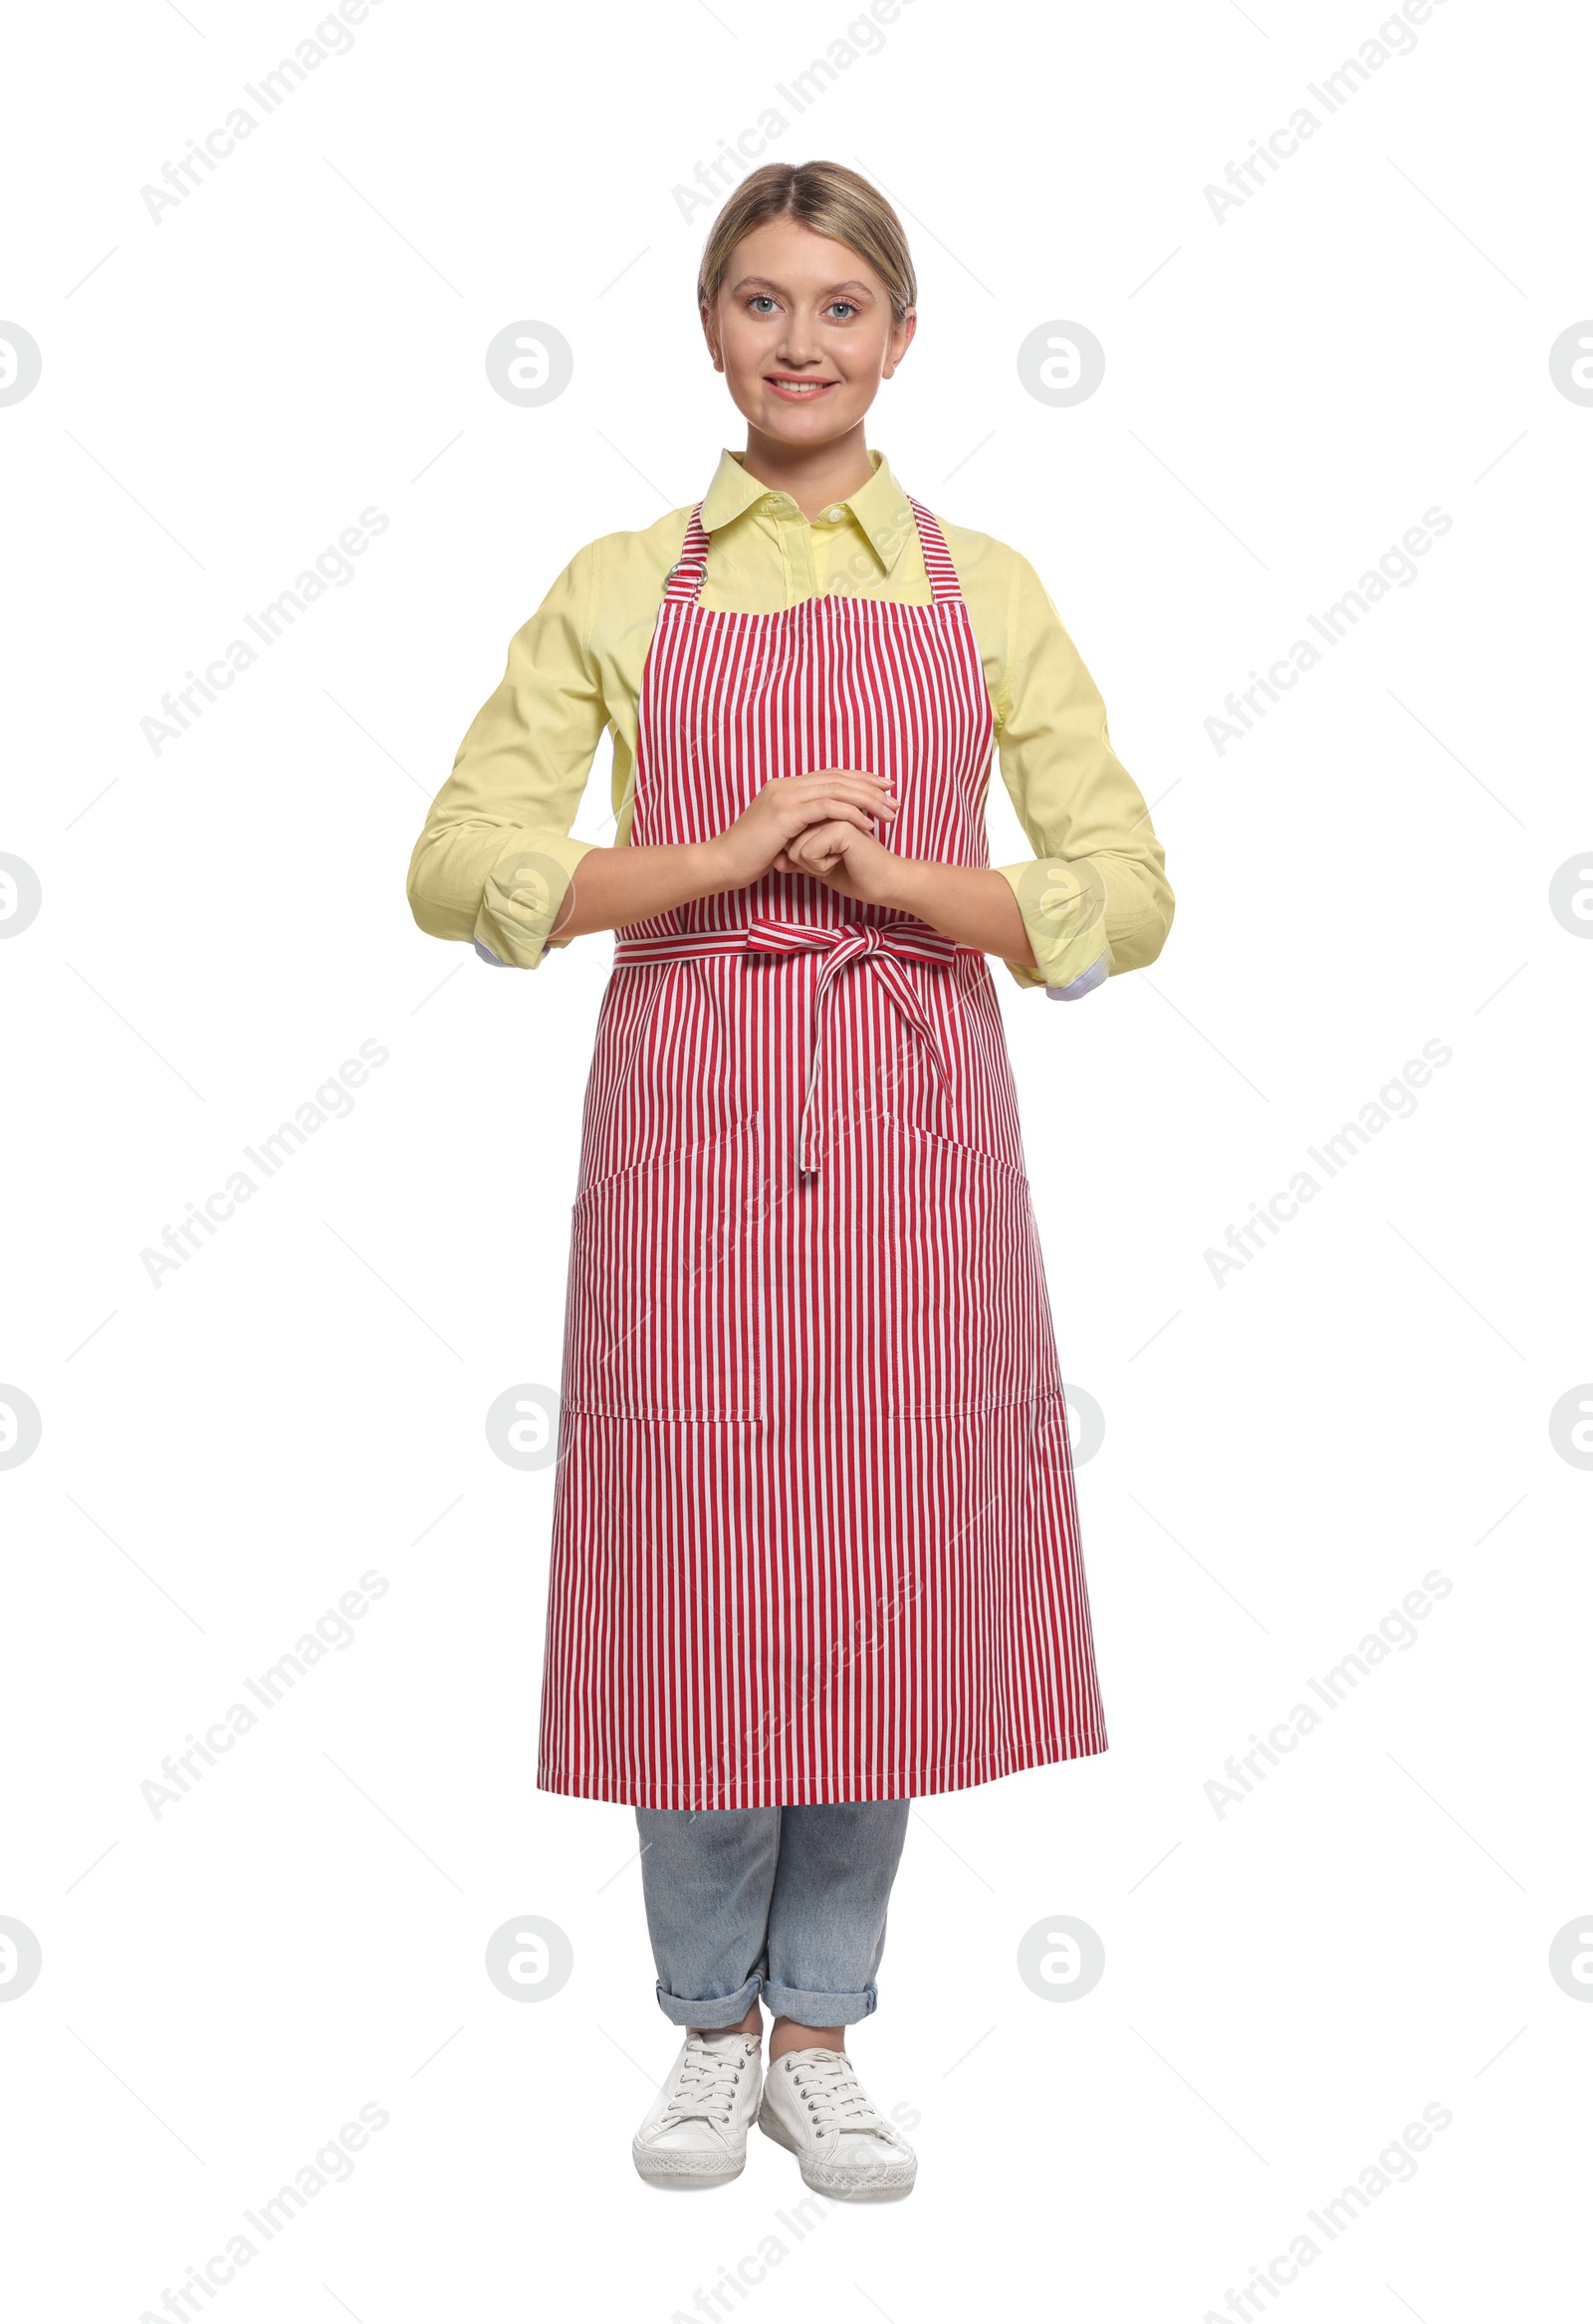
823,848
827,811
866,789
842,775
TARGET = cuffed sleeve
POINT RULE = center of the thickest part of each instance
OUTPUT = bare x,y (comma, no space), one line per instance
1095,899
495,859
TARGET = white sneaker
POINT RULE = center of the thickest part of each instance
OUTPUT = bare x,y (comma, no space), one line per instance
695,2130
814,2105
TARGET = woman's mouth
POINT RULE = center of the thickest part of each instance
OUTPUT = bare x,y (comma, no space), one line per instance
798,390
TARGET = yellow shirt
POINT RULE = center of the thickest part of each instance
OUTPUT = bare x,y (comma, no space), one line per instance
1096,900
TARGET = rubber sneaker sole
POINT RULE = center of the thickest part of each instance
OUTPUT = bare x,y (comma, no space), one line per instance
668,2167
856,2182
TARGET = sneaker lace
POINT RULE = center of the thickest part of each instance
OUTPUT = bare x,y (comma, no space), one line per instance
705,2085
827,2082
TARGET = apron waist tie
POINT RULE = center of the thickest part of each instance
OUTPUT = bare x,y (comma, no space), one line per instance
886,946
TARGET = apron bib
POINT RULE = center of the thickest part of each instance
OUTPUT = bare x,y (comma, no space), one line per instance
815,1535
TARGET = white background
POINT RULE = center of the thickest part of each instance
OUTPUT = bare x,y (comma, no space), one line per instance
1286,1455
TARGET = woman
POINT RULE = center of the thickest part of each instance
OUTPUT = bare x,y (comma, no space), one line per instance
814,1543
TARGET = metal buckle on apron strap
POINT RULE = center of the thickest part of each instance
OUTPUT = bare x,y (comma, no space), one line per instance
885,945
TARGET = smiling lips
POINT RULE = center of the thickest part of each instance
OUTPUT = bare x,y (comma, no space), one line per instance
799,389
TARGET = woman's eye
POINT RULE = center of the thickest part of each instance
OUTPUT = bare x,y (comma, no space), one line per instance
760,302
842,307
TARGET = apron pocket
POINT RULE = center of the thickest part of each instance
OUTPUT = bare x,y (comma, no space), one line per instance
662,1321
961,1318
937,1140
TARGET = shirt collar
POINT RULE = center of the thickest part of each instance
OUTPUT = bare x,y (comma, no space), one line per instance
879,507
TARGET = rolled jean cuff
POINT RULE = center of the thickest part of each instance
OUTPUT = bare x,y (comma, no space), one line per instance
818,2008
724,2010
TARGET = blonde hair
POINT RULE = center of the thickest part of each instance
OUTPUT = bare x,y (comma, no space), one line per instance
827,198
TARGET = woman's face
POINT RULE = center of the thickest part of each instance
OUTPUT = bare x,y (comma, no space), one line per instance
804,333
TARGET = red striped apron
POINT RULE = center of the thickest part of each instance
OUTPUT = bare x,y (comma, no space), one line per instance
814,1534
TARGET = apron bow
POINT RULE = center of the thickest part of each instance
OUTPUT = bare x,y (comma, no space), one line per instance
886,947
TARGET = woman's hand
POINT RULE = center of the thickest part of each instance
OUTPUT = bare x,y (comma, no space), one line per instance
851,861
761,839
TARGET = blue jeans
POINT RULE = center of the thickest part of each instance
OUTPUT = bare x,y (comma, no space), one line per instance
784,1901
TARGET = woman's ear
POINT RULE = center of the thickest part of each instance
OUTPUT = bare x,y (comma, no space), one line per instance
901,339
711,335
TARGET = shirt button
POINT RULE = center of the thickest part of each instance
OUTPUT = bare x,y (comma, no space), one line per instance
833,514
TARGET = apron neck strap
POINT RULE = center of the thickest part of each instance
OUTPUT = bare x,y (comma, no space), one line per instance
684,581
944,588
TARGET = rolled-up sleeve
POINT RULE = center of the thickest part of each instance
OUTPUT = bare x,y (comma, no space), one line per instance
495,859
1095,899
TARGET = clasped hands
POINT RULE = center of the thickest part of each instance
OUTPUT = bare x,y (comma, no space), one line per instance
822,826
